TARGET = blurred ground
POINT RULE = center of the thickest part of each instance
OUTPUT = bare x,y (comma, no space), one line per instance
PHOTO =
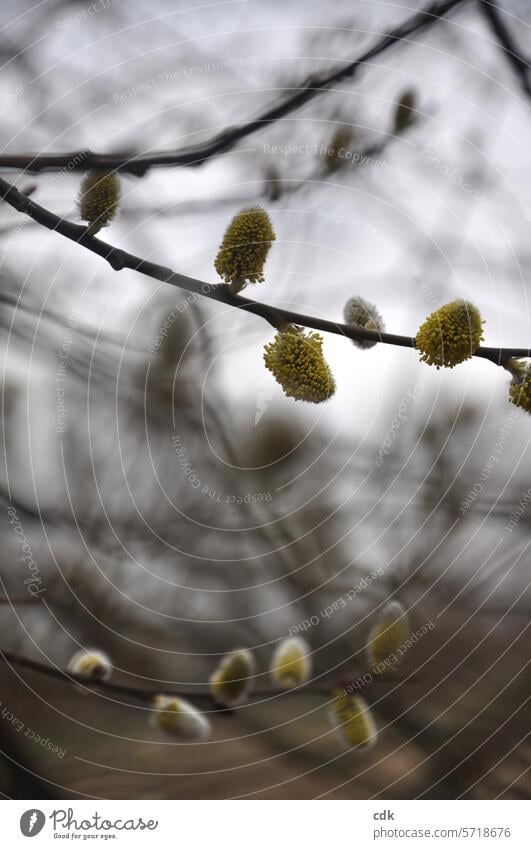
454,724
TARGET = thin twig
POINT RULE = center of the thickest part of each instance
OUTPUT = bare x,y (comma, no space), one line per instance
119,259
293,99
494,16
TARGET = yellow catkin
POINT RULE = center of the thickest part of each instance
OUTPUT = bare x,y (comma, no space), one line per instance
99,199
179,718
91,664
386,641
232,679
520,387
291,664
244,248
296,362
352,720
450,335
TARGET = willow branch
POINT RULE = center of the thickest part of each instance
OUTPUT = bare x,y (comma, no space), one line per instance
146,695
143,695
520,65
293,99
119,259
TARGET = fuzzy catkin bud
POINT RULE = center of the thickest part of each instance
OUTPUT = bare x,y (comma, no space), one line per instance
291,665
450,335
404,111
244,248
386,642
179,718
352,720
232,679
91,664
273,183
360,313
296,362
99,199
520,388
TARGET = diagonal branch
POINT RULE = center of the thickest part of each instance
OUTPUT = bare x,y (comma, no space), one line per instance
494,16
293,99
143,695
146,695
119,259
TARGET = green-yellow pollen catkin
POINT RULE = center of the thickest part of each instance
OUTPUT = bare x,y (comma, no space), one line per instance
232,679
99,198
450,335
520,388
352,720
296,362
386,642
244,248
291,664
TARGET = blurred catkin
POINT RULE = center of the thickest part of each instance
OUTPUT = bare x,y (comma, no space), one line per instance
387,638
232,678
352,720
291,664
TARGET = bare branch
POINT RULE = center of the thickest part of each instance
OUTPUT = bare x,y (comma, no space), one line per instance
494,16
119,259
293,99
143,695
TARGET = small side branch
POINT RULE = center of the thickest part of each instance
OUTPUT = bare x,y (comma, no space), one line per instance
520,65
